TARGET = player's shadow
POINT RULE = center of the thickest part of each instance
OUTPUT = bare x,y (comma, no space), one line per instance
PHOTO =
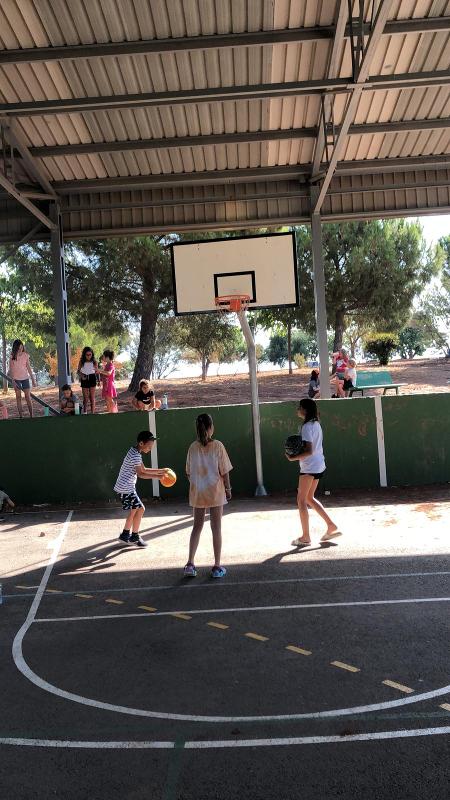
295,551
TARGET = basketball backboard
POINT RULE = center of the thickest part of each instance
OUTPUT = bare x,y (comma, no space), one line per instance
263,267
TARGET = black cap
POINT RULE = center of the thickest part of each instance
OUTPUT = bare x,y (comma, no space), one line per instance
146,436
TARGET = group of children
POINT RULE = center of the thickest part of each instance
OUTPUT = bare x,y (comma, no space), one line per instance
208,470
343,376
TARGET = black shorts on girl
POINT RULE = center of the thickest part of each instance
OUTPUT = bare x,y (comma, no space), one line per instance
348,384
317,476
88,381
130,501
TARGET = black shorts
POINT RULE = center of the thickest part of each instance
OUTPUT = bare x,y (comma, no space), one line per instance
89,381
348,384
317,476
130,501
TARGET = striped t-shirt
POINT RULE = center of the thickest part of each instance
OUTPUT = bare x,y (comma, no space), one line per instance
127,477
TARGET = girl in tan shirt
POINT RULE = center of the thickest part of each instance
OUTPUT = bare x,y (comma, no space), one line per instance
207,467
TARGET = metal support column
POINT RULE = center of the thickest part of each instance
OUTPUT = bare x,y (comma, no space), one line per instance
320,304
60,297
251,349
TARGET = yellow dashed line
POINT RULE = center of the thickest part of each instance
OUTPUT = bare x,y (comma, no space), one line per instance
179,615
218,625
348,667
85,596
298,650
445,706
399,686
116,602
257,637
26,587
54,591
147,608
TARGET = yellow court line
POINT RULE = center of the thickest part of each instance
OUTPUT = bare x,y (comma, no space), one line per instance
179,615
399,686
26,587
147,608
348,667
257,637
218,625
116,602
85,596
54,591
445,706
300,650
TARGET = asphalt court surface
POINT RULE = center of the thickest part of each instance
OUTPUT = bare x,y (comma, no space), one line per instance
309,661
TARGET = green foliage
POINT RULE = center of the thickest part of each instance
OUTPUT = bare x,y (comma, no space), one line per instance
203,336
372,270
412,342
381,346
277,349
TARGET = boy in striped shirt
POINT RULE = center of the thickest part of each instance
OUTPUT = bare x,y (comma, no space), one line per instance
133,468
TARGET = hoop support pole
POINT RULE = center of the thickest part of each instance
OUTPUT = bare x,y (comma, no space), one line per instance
251,349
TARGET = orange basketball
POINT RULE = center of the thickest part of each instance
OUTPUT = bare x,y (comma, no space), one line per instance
169,479
157,404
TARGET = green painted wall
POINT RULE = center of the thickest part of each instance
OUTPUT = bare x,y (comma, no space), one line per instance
350,444
417,439
74,459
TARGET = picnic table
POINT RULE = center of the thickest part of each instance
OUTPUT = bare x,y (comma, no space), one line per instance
380,379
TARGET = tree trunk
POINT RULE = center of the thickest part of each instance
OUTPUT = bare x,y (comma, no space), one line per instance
289,346
146,350
205,365
339,328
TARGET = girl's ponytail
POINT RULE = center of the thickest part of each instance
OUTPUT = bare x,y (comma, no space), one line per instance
204,424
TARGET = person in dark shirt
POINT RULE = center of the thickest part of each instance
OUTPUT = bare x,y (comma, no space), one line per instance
67,401
144,399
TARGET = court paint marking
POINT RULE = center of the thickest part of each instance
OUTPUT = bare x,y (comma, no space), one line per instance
342,665
244,609
218,625
147,608
180,615
85,596
115,602
227,583
23,667
300,650
228,743
445,706
399,686
53,591
257,636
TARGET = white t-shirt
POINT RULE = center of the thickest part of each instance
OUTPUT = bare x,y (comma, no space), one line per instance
88,368
315,463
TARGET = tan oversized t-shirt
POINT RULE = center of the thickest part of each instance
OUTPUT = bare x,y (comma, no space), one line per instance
205,467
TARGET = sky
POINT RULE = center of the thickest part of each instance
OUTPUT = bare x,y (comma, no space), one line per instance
435,226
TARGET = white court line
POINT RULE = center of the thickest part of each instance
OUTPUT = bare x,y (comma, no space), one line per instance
23,667
212,585
212,744
408,601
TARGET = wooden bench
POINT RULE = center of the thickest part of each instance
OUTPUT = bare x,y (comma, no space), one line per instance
374,380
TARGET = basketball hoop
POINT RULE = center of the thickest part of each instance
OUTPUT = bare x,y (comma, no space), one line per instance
232,303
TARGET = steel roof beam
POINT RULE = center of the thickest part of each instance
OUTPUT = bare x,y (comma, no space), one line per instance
349,114
120,146
34,169
223,94
216,41
232,176
24,201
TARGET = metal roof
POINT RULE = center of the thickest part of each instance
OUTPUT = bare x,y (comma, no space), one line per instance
154,115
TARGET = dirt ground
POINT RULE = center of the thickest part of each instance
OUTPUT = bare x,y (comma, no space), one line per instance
422,376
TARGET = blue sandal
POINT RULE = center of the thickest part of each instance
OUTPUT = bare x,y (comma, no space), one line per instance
218,572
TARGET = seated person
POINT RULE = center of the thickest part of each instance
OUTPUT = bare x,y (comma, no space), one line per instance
67,400
340,364
349,382
6,501
144,399
314,384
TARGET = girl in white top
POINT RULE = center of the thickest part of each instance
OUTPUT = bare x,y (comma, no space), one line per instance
20,373
207,468
312,467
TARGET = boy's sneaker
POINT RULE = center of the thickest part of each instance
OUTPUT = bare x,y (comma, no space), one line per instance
218,572
190,571
136,539
125,537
